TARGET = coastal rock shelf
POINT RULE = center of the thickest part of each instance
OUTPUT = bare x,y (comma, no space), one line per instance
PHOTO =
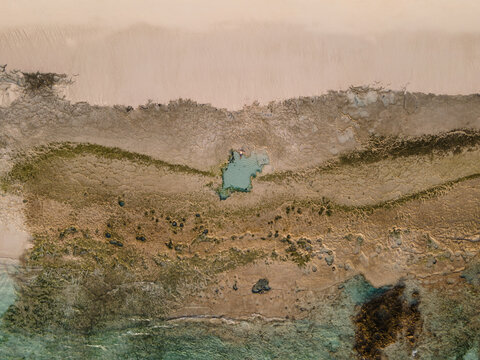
347,227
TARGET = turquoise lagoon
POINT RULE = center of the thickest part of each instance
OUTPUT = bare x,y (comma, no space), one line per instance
238,174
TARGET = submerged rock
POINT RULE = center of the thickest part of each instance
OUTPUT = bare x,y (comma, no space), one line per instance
386,318
472,274
261,286
329,259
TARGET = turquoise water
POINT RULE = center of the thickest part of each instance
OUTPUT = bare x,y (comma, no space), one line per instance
299,340
358,290
327,333
330,336
7,287
237,175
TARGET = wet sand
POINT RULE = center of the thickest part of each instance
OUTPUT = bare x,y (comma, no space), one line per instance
14,238
234,55
230,68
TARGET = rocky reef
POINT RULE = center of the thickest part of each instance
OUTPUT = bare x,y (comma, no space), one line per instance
359,238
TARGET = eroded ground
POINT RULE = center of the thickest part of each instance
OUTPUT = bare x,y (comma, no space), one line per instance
367,230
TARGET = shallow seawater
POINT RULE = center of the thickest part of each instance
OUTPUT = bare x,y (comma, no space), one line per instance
7,285
237,175
327,333
190,340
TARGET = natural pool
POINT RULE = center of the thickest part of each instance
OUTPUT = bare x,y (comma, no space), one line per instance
237,175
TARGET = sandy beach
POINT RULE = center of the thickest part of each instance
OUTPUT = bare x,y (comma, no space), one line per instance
233,55
13,235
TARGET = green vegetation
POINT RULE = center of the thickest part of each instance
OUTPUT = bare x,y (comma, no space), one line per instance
301,252
79,283
420,195
41,81
32,166
175,274
381,148
29,167
327,207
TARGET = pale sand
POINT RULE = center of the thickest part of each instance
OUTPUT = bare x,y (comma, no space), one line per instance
341,16
13,241
14,238
229,55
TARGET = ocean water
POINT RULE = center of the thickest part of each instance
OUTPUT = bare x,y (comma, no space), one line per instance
7,286
328,332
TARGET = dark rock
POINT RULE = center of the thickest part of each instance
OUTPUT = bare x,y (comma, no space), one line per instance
197,215
329,260
235,287
178,248
472,274
116,243
205,231
181,224
385,318
174,223
261,286
121,203
108,235
70,230
141,238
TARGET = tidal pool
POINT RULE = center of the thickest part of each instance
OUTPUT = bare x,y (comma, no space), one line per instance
237,175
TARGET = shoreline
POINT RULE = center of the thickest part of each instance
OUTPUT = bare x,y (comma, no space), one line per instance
145,62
